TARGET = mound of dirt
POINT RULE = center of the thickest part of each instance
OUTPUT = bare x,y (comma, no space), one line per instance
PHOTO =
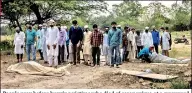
114,79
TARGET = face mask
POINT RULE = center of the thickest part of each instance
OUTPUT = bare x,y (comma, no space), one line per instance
106,31
114,27
51,25
86,30
17,31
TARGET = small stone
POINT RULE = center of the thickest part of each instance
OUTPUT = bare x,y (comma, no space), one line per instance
141,80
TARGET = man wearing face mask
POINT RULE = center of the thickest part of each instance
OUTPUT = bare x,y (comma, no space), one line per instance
146,39
44,46
52,44
30,43
62,42
106,50
39,41
156,39
19,43
76,37
96,41
87,46
114,41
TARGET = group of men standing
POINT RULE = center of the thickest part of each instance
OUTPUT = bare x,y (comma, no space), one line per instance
57,44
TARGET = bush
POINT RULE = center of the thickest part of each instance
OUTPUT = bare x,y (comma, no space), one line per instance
180,84
6,45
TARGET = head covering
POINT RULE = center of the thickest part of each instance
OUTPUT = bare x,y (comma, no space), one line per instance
146,28
40,25
65,27
51,22
17,28
86,26
44,24
151,46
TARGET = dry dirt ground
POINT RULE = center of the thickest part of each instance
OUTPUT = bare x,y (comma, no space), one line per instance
83,77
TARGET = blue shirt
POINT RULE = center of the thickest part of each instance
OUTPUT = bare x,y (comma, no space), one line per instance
39,41
67,41
155,35
114,37
75,34
30,36
105,39
144,51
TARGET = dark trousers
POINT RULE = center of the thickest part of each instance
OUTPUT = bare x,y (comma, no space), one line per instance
41,54
156,48
139,48
67,51
96,52
61,54
76,53
19,56
145,58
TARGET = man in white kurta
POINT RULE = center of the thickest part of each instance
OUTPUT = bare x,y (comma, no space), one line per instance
44,45
19,43
52,44
87,46
132,45
146,38
165,43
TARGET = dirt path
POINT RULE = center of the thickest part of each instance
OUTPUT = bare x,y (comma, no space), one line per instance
87,77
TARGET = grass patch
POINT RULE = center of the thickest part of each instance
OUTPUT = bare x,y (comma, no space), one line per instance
179,84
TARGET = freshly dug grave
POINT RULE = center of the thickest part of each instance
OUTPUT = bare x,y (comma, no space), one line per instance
118,80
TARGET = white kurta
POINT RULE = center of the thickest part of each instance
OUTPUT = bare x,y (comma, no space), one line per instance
51,39
132,47
19,40
165,41
87,43
44,45
147,39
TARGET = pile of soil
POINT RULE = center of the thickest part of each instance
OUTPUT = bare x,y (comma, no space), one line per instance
114,79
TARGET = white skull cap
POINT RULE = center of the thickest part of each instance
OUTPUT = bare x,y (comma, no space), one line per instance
86,26
146,28
17,28
51,21
44,24
118,25
65,27
40,24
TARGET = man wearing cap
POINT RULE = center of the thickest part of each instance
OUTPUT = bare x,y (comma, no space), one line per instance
76,37
156,38
19,43
52,44
39,41
146,39
114,41
30,43
145,53
87,45
44,45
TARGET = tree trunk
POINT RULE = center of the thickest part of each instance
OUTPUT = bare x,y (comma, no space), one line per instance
190,25
18,24
35,9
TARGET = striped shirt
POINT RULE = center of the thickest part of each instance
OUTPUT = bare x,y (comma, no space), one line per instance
96,38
